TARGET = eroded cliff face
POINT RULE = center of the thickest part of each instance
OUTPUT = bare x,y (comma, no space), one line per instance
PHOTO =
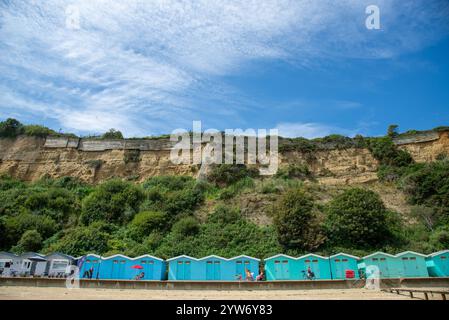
93,161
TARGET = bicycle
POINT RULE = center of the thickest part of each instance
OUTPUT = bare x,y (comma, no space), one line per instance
307,276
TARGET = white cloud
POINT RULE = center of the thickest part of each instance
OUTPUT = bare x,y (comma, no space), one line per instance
310,130
155,65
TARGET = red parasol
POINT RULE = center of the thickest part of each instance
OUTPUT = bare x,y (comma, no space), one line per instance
137,267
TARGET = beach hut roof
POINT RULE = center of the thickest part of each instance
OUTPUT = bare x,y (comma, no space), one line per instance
243,256
213,256
147,256
280,255
312,255
8,254
63,255
183,256
410,252
116,256
344,254
379,252
27,255
91,255
438,253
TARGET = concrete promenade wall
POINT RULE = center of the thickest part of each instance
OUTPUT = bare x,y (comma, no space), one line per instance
226,285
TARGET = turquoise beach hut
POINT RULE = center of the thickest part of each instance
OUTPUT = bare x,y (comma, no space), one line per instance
387,265
340,263
180,268
117,267
438,264
412,265
89,266
282,267
235,268
318,264
211,268
152,267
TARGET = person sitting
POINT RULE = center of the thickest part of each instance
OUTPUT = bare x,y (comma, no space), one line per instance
310,273
260,276
249,275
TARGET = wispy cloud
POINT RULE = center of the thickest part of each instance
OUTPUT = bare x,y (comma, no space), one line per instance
311,130
152,66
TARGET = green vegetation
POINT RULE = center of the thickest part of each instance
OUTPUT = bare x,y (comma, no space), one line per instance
172,215
357,219
112,134
296,224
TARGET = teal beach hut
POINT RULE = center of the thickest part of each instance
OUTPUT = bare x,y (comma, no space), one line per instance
117,267
153,268
342,265
385,263
412,265
237,266
180,268
89,266
281,267
211,268
438,264
318,264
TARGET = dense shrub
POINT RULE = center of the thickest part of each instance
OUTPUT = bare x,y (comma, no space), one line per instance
112,134
37,131
386,152
358,219
31,240
146,222
114,201
227,174
174,195
84,239
10,128
298,171
295,221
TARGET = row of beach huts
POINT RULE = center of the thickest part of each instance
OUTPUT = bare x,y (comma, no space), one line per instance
214,268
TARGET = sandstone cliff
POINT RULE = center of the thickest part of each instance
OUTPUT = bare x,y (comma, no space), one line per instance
30,158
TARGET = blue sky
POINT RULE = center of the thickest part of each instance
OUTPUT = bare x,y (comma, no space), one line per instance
309,68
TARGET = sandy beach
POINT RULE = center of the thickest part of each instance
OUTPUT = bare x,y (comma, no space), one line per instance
36,293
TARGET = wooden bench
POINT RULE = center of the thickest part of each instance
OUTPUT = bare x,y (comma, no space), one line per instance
426,292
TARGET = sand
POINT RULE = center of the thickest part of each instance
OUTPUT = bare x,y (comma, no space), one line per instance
36,293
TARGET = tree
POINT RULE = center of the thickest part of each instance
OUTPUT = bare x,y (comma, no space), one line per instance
31,240
357,219
146,222
114,201
392,131
186,226
81,240
10,128
112,134
294,220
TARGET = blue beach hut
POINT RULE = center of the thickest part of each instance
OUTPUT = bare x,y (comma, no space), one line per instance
117,267
89,266
282,267
152,267
318,264
180,268
342,262
236,267
211,268
438,264
412,265
385,263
